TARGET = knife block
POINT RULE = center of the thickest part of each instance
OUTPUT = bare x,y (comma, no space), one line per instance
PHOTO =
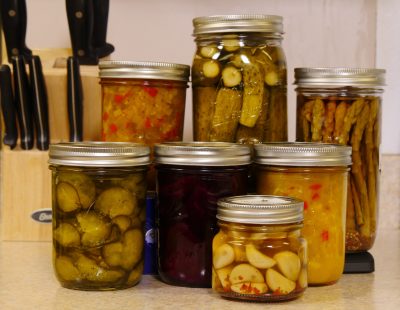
25,183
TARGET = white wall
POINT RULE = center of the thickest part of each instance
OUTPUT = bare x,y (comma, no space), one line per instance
318,33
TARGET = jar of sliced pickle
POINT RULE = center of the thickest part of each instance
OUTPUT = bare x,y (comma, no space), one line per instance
259,253
239,79
317,174
98,191
343,105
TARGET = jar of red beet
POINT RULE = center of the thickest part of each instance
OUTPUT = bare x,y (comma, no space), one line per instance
190,178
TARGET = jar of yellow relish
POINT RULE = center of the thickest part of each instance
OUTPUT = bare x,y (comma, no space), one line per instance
259,253
318,175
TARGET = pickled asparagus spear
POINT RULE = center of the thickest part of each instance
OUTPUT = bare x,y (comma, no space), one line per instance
306,117
226,115
253,89
372,164
203,108
329,121
357,205
359,128
351,117
350,212
318,117
340,114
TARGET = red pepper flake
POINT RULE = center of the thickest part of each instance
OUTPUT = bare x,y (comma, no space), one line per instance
151,91
315,186
277,291
105,116
113,128
147,123
256,291
118,98
305,205
325,235
315,197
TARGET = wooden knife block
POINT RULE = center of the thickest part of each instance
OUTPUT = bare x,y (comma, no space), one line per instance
25,177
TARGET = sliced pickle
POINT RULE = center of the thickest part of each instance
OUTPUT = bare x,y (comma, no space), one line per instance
95,228
67,197
83,185
135,183
66,269
67,235
136,274
93,272
116,201
123,222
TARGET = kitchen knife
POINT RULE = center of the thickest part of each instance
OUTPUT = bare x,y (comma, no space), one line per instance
8,107
14,20
100,13
23,103
80,22
39,101
75,100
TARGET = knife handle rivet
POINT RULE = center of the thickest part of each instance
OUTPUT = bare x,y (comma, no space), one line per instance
81,53
78,14
12,13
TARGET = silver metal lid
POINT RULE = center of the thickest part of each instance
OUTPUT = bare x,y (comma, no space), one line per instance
238,23
144,70
339,77
99,154
302,154
260,209
202,154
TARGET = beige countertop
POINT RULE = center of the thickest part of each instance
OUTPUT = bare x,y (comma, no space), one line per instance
27,282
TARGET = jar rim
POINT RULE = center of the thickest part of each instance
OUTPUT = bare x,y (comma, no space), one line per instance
303,154
144,70
99,154
202,153
238,23
324,76
260,209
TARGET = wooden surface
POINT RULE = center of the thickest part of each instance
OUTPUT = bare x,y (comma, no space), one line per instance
25,177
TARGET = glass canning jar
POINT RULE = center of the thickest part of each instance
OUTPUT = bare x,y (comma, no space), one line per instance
317,174
259,253
343,105
191,177
98,204
239,79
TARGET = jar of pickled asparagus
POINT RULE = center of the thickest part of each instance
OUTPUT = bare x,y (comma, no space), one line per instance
317,174
239,79
191,177
343,105
99,211
259,253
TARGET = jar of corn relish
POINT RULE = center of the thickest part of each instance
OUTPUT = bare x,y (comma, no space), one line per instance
259,253
317,174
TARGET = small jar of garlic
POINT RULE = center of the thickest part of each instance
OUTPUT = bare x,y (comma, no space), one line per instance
259,253
239,79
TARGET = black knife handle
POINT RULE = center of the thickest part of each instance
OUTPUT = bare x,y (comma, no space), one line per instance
8,107
75,100
14,20
100,13
40,105
80,22
23,103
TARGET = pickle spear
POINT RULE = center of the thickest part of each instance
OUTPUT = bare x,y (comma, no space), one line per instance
226,115
202,111
253,91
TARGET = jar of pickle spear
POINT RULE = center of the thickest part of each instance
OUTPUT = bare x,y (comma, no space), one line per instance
239,79
343,105
99,211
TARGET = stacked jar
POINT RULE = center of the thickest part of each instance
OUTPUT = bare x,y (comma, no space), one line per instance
99,212
343,105
316,174
191,177
239,79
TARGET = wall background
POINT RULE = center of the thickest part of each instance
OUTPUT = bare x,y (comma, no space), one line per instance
357,33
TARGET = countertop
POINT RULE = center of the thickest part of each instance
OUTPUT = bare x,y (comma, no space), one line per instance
27,281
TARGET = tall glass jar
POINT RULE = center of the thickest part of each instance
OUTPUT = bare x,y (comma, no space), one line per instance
316,174
191,177
259,253
239,79
343,105
99,211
